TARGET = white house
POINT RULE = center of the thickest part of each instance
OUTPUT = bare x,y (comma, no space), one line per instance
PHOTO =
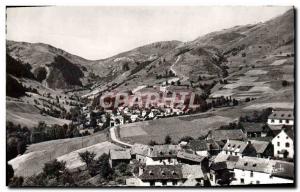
284,143
253,170
281,117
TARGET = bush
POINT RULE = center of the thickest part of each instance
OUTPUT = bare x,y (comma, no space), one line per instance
285,83
168,139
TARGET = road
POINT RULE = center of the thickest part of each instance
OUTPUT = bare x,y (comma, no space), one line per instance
181,76
115,139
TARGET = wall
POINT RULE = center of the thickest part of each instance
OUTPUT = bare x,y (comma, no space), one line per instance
283,138
263,178
277,122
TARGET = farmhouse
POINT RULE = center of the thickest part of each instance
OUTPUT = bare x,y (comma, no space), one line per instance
193,175
117,156
162,175
255,129
281,117
199,147
140,152
284,143
253,170
239,148
264,149
163,155
192,159
225,134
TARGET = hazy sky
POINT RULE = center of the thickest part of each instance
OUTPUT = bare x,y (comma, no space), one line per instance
100,32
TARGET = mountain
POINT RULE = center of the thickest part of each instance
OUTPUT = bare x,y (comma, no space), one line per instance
213,56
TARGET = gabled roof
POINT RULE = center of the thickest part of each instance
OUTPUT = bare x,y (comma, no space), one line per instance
140,149
253,127
282,114
198,145
289,130
218,166
190,156
192,171
260,146
227,159
235,146
119,154
224,134
164,151
162,172
283,169
254,164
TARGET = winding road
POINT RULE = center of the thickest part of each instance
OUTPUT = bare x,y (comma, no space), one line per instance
115,139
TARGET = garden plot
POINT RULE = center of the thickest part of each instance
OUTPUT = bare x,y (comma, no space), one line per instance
279,62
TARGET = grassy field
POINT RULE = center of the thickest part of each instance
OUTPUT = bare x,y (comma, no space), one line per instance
177,127
38,154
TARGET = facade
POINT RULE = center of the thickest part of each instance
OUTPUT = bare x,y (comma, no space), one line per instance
264,149
255,129
284,143
252,170
281,117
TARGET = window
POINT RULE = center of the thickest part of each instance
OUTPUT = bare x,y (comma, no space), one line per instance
164,183
272,121
278,144
242,181
174,182
235,153
287,121
152,183
278,152
257,182
280,121
287,144
251,174
226,152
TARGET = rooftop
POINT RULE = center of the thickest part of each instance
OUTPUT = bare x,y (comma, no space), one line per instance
254,164
164,150
162,172
198,145
283,169
120,154
192,171
224,134
260,146
190,156
253,127
140,149
282,114
235,146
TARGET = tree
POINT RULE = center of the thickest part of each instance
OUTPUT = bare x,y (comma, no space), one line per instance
9,173
152,143
285,83
186,138
178,83
87,157
54,168
168,139
122,169
103,166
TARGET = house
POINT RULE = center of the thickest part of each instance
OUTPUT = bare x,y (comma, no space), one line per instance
281,117
116,120
117,156
239,148
189,158
199,147
284,170
140,152
162,175
284,143
163,155
225,134
264,149
204,147
255,129
221,169
253,170
193,175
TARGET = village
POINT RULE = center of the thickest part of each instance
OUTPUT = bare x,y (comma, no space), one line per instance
252,155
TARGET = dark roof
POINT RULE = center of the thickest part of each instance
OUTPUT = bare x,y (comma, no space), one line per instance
213,145
253,127
282,114
289,131
164,151
218,166
224,134
162,172
284,169
268,139
260,146
235,146
190,156
198,145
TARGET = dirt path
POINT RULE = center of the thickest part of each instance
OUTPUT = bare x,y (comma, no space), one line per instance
115,139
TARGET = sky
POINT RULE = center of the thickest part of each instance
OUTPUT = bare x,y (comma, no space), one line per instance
100,32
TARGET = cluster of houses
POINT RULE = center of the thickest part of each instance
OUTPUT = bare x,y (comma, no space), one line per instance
224,157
